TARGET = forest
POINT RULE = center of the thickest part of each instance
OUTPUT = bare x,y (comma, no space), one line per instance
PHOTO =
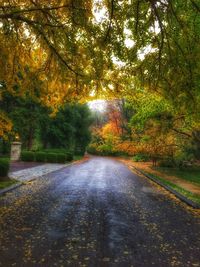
142,56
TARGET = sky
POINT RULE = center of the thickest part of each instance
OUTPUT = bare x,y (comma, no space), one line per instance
97,105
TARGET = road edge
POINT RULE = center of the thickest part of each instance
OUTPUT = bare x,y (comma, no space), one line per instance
15,186
171,190
10,188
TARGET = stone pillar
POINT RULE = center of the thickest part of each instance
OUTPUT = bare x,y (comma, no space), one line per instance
15,151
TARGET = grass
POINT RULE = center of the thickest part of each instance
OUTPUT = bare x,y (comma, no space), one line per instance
54,150
77,157
188,174
187,194
7,183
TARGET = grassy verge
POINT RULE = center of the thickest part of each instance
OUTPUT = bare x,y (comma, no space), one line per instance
187,194
77,157
4,184
188,174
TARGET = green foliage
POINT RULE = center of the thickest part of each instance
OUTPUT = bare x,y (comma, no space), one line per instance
40,156
26,114
61,158
186,193
140,158
51,157
55,150
106,150
69,156
191,174
150,106
169,162
4,147
27,156
159,74
69,129
6,183
4,167
91,149
103,150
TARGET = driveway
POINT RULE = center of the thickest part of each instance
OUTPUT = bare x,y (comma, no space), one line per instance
96,213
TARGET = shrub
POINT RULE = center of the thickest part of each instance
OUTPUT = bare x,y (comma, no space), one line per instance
69,156
106,150
168,163
92,150
51,157
27,156
140,158
80,151
40,156
61,158
4,167
54,150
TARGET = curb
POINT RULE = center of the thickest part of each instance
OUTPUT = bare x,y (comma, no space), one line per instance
10,188
15,186
35,177
171,190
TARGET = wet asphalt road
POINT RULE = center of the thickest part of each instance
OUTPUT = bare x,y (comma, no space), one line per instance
97,213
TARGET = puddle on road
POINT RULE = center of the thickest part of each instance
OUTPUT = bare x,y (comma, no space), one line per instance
150,190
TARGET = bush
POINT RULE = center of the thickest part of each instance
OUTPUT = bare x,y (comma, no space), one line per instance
69,156
79,151
140,158
27,156
61,158
92,150
4,167
51,157
40,156
168,163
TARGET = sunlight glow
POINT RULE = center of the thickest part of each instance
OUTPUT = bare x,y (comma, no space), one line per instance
145,51
97,105
99,11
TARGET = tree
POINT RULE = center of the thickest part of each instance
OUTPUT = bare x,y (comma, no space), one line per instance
138,49
25,114
68,128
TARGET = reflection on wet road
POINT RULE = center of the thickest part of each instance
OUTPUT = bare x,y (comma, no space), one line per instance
97,213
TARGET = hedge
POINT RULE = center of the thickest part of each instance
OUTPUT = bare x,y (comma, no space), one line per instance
4,167
69,156
40,156
61,158
28,156
51,157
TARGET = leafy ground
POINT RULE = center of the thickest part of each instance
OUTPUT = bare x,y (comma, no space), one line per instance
96,213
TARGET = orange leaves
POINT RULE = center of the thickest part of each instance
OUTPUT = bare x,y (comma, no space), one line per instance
110,129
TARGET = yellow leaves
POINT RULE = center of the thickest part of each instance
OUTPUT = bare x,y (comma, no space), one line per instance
110,129
5,125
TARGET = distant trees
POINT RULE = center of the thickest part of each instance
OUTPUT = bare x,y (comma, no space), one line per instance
39,128
153,129
69,128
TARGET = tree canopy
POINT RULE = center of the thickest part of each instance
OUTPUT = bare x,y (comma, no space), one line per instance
145,51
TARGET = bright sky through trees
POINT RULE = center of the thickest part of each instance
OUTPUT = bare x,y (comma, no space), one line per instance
97,105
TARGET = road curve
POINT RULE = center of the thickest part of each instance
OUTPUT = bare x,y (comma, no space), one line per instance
97,213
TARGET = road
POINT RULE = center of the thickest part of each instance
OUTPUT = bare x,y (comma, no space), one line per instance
96,213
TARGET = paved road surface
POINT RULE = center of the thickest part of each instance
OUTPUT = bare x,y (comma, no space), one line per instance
97,213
